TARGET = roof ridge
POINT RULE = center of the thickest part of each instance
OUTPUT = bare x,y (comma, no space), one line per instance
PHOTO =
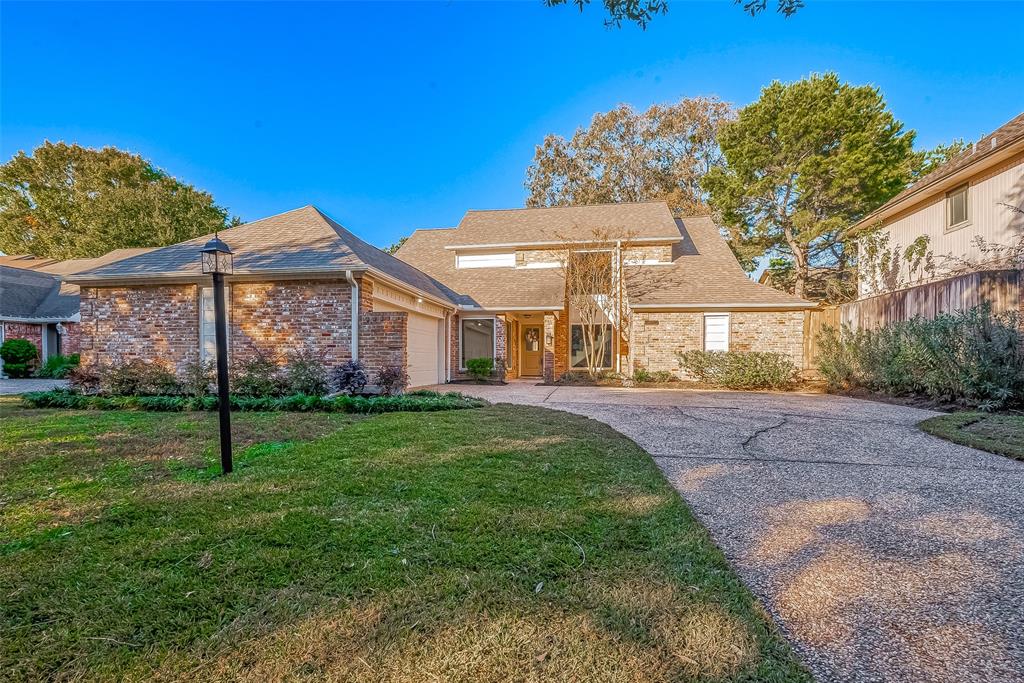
571,206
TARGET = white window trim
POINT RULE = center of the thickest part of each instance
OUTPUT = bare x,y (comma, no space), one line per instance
615,349
950,225
494,337
704,330
227,307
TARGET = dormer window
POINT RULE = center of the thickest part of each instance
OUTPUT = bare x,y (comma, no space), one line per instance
957,207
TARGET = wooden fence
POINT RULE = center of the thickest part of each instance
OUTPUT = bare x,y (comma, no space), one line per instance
1003,289
1000,288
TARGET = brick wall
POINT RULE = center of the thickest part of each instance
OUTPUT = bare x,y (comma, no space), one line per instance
156,322
772,332
276,318
29,331
383,339
70,341
162,322
656,337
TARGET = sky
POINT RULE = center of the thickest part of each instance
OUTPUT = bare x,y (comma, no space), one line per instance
394,116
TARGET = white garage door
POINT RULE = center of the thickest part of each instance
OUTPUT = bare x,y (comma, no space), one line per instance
423,350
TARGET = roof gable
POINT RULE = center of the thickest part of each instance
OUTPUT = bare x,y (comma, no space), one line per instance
303,240
29,294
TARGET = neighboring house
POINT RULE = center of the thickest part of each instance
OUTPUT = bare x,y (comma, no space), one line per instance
684,289
967,198
491,287
37,304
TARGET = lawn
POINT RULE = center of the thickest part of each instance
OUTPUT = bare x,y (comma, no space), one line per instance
996,433
504,543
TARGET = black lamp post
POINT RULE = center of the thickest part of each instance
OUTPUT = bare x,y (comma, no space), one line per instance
217,261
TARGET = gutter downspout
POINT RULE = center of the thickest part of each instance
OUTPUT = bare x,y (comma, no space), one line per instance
355,313
447,346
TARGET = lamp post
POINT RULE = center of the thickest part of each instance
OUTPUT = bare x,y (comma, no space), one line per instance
217,261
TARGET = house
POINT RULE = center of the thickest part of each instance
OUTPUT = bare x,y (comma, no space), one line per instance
970,197
490,287
37,304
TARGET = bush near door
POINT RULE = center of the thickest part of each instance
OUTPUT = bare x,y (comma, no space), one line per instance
19,355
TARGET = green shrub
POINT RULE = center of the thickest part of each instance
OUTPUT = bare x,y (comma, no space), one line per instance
137,377
19,355
416,402
305,374
642,376
480,368
198,378
255,375
740,370
972,357
58,366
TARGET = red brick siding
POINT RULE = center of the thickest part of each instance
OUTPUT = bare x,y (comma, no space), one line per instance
155,322
555,361
29,331
70,341
383,339
276,318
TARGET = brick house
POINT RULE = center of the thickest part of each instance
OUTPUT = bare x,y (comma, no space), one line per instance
37,303
682,288
489,287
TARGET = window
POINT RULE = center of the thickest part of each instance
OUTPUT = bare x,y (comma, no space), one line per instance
477,338
505,260
602,336
957,212
716,332
208,323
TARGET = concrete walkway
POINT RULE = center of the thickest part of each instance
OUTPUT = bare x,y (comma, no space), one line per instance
10,387
883,553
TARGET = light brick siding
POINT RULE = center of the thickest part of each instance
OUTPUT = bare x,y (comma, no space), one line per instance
157,322
653,252
774,332
656,337
528,256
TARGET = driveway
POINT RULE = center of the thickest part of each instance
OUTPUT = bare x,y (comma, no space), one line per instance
883,553
9,387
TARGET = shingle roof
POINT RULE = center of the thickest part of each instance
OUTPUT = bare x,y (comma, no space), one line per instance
482,287
1009,133
295,241
557,224
703,271
79,265
29,294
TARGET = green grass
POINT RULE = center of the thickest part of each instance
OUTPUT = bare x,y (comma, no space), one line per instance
996,433
505,543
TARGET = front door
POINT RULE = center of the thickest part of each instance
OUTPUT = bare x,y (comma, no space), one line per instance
532,352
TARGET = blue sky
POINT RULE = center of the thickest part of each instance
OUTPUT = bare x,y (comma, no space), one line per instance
394,116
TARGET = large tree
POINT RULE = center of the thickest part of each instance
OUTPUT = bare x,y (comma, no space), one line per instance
640,12
803,163
625,155
66,201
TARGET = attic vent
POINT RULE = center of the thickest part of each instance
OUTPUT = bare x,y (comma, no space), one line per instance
993,142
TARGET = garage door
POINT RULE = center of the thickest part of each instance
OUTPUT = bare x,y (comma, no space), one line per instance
423,354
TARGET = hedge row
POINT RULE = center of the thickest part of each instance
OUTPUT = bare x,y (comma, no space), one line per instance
424,401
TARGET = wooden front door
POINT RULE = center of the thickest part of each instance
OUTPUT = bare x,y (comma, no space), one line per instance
533,351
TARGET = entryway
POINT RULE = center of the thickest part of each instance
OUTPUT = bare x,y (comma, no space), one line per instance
532,350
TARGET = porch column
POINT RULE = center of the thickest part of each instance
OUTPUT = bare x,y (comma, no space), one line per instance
549,347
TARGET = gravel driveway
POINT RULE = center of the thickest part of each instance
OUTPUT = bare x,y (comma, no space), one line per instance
884,554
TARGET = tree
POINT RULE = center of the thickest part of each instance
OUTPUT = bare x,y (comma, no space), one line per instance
66,201
803,163
397,245
640,12
626,156
926,161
